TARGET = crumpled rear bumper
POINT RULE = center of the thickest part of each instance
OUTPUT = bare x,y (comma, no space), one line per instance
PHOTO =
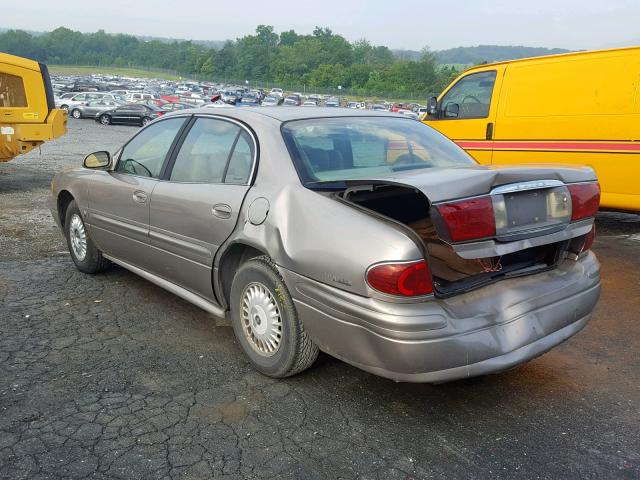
487,330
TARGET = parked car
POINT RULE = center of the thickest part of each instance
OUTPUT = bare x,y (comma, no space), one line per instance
332,102
310,103
292,101
171,106
362,234
139,96
277,92
272,101
230,97
130,114
93,108
249,101
70,100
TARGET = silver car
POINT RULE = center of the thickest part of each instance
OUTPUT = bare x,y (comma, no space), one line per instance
93,108
366,235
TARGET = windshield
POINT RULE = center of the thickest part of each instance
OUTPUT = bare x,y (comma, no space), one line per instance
349,148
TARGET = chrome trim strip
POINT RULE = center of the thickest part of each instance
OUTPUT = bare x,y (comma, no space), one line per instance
523,186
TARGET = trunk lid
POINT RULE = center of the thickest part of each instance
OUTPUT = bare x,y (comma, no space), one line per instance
443,184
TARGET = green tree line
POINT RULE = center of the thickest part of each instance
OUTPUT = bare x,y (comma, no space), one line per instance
321,59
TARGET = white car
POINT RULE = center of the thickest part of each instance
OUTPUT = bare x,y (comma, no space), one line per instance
309,103
70,100
134,97
277,91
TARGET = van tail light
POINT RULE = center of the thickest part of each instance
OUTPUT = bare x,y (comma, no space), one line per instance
585,200
469,219
408,279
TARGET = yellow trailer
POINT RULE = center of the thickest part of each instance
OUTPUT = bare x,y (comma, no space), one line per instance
28,116
578,108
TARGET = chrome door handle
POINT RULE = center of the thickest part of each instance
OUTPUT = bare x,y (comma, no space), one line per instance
221,210
140,196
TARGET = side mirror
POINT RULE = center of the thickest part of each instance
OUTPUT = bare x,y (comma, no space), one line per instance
432,107
97,160
451,110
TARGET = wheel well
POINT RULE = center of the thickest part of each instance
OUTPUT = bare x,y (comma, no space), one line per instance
236,255
64,199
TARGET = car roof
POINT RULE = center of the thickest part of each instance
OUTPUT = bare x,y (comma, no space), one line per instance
286,114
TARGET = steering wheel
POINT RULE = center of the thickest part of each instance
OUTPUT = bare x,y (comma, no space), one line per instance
472,97
134,163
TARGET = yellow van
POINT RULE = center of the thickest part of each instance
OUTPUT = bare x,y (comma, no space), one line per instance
576,108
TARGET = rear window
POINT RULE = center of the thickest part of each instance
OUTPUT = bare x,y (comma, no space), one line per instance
335,149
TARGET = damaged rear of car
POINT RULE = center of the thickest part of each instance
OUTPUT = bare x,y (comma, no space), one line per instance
501,272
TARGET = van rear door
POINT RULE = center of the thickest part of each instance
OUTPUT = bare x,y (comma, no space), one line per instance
467,111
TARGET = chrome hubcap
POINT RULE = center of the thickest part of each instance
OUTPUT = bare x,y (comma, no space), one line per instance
105,120
78,236
76,114
261,322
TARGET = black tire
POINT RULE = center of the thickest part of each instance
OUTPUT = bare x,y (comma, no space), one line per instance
75,113
296,351
105,119
92,261
65,107
145,121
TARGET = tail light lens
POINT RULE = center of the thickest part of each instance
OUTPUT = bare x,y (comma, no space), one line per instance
585,200
406,279
469,219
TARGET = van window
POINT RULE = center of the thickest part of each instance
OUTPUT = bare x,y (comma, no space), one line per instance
470,97
12,91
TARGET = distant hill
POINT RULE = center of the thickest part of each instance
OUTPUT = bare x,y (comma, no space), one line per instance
492,53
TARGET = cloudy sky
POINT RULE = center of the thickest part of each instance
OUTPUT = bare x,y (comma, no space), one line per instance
412,24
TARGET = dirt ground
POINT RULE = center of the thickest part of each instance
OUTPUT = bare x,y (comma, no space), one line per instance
109,376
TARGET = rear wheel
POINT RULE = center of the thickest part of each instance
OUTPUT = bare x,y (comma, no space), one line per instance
84,253
64,107
145,121
265,321
75,113
105,119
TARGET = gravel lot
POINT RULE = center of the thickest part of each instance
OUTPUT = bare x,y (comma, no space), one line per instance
109,376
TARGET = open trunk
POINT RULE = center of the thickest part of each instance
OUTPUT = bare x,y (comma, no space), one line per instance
454,269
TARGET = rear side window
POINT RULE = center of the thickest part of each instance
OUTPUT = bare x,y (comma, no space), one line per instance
205,152
12,92
470,97
144,155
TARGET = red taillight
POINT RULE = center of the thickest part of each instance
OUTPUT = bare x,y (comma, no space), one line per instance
585,200
406,279
469,219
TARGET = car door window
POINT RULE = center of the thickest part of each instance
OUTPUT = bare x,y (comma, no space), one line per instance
205,152
80,98
470,97
241,160
144,155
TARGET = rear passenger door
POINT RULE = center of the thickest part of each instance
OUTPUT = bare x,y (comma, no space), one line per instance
195,209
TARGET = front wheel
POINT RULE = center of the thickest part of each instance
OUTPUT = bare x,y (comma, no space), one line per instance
265,321
145,121
84,253
76,113
105,119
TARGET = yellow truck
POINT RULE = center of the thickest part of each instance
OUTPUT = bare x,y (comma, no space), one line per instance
28,116
576,108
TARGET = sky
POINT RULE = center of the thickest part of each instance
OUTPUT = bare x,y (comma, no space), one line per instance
408,24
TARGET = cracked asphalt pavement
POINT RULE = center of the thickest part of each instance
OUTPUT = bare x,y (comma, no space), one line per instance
108,376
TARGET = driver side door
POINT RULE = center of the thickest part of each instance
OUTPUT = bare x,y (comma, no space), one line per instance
467,112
